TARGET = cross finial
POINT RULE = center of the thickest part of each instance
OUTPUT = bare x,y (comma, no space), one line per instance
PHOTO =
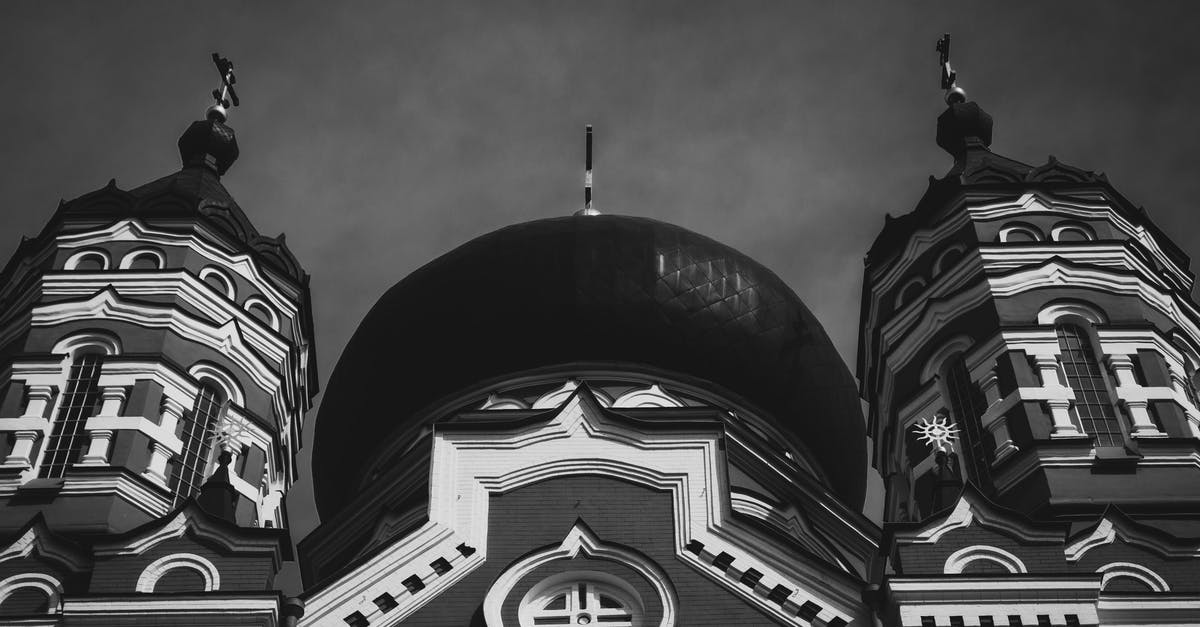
954,93
224,94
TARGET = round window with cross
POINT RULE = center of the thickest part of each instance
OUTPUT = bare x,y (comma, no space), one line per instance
582,598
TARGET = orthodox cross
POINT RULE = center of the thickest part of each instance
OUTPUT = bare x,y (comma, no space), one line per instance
949,76
943,48
224,93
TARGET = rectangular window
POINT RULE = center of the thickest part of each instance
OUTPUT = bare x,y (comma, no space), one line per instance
197,434
67,438
966,405
1093,402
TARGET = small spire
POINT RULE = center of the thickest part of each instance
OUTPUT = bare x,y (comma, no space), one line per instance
963,129
218,496
210,143
224,94
588,210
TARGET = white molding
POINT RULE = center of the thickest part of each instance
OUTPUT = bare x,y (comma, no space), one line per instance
230,290
133,230
1051,312
960,559
653,396
51,586
581,541
1108,532
1032,231
73,261
208,371
933,365
1057,230
32,540
159,567
227,338
131,256
1135,571
261,304
467,467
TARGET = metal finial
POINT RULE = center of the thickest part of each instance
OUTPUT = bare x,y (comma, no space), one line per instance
938,433
954,93
224,94
588,210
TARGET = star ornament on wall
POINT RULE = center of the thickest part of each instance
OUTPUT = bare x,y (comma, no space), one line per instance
938,433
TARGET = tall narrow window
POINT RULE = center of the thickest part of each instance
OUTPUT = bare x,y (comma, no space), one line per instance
196,431
966,405
67,438
1093,402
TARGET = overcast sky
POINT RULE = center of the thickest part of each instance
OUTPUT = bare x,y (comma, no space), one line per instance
380,136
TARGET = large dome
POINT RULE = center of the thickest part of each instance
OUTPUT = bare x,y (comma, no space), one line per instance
588,289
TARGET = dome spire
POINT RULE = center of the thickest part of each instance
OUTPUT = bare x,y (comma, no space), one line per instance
963,129
210,144
588,210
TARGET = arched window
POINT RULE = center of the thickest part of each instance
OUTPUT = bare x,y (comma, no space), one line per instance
219,281
1015,233
967,405
1093,405
258,308
588,598
1072,232
196,431
910,292
143,259
81,394
947,259
87,261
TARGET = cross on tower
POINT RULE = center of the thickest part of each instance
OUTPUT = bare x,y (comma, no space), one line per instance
949,77
224,94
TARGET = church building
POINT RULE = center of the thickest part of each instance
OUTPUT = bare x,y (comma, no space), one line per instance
606,419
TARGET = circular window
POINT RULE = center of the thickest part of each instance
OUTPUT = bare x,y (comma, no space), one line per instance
582,599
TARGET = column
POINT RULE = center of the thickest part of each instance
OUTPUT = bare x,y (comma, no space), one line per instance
1060,396
36,409
1139,409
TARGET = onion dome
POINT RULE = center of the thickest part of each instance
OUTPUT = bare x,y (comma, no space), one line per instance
594,289
209,143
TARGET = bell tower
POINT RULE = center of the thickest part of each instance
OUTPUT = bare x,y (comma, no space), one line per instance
143,331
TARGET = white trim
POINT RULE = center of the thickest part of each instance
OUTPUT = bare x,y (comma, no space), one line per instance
466,467
263,305
72,344
1134,571
900,301
939,267
131,256
74,260
963,557
51,586
1088,233
653,396
230,291
159,567
1052,311
933,365
1007,230
133,230
555,398
581,541
107,305
206,371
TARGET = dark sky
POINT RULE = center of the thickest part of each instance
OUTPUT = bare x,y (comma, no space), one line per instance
378,136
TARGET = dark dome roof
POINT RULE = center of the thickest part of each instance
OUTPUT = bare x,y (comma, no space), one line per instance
589,289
